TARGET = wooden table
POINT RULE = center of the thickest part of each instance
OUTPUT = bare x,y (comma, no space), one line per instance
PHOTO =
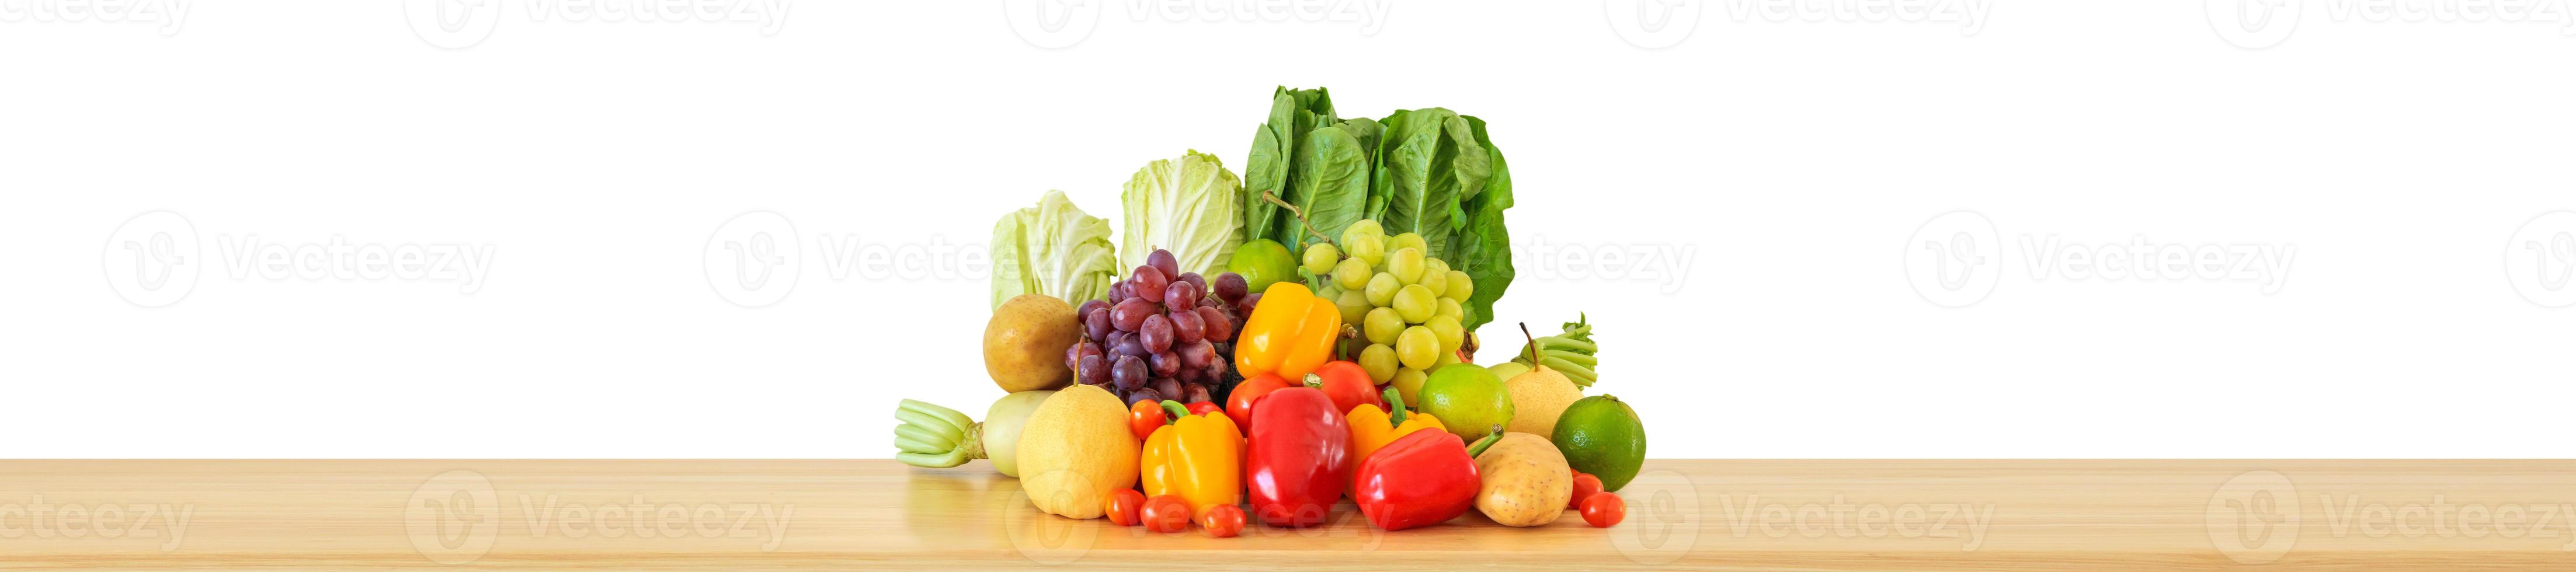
1695,514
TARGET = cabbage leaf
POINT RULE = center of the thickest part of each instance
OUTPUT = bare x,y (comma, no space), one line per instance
1189,205
1053,249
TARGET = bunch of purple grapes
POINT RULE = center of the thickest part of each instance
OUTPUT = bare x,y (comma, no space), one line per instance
1162,334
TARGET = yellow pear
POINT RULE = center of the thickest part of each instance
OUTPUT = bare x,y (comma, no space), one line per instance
1538,397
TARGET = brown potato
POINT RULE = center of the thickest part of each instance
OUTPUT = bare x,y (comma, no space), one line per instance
1526,481
1025,341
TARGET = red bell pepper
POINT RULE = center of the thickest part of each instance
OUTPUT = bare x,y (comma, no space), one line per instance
1423,478
1298,459
1206,407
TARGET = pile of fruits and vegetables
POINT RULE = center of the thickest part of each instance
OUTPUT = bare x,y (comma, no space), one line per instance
1258,349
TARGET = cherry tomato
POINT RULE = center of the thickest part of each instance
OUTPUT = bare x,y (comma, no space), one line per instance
1123,506
1144,417
1585,486
1166,513
1222,521
1604,509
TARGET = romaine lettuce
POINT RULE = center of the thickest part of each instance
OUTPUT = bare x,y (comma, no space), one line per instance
1427,171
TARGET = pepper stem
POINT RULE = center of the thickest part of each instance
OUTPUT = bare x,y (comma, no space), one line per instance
1395,407
1174,410
1478,449
1314,381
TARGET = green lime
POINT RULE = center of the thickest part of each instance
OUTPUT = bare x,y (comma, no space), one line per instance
1262,262
1468,399
1600,435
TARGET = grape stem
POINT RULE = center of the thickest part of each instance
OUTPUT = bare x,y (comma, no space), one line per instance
1273,198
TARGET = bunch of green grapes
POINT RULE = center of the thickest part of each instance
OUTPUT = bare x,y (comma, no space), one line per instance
1404,302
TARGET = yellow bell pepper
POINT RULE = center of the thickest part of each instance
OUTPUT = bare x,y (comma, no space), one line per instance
1372,429
1199,457
1289,335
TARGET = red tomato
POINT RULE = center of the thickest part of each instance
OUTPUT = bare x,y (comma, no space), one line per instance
1238,405
1349,386
1166,513
1604,509
1144,417
1123,506
1222,521
1585,486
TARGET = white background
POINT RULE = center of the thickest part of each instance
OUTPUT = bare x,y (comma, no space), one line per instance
1794,160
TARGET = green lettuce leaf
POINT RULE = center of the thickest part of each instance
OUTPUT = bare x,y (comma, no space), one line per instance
1293,112
1053,249
1430,162
1330,184
1189,205
1482,247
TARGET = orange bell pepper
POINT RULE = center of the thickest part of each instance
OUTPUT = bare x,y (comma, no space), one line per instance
1289,335
1372,428
1199,458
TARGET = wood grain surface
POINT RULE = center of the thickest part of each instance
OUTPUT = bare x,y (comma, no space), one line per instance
1684,514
